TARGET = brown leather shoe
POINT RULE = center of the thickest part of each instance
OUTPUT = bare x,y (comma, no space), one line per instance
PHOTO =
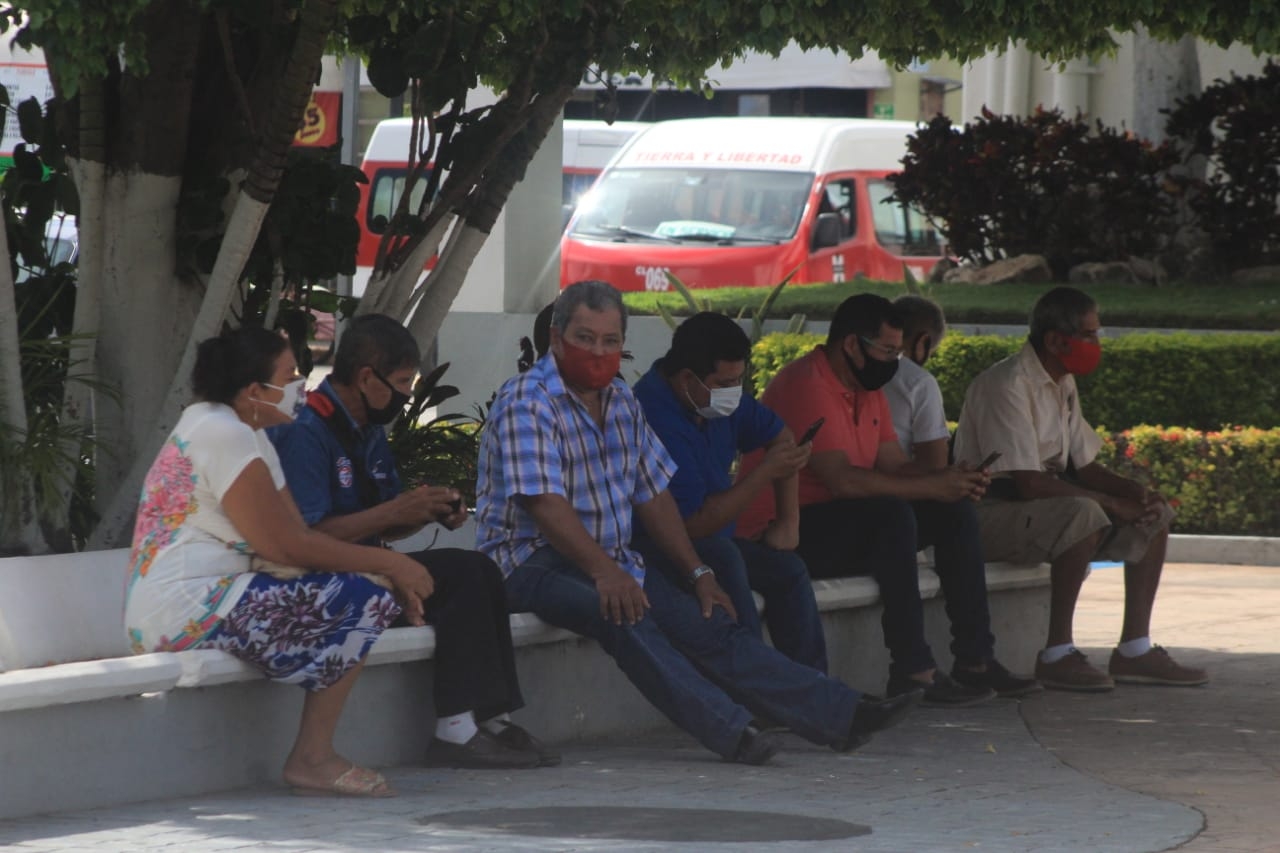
1073,672
1155,667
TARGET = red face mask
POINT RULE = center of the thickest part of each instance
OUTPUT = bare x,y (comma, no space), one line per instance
582,368
1081,357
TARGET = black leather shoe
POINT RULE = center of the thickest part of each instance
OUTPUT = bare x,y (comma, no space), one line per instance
756,747
873,714
482,752
1005,683
513,737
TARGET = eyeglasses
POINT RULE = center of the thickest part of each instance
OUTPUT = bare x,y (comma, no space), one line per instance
888,352
1094,335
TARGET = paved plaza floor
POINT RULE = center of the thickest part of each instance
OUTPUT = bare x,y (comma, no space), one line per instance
1140,769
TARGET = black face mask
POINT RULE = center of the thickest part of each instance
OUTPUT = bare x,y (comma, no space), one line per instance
387,413
874,373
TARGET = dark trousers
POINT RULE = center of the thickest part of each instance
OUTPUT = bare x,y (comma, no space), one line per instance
708,675
790,609
879,536
475,667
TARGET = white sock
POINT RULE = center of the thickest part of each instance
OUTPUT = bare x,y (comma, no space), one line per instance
458,728
1053,654
494,725
1135,648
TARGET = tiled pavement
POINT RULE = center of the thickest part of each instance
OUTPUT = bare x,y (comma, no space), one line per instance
1142,769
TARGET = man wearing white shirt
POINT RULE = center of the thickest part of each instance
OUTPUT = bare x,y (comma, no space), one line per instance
1050,499
915,400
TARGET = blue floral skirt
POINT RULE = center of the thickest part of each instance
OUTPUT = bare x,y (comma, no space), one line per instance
308,630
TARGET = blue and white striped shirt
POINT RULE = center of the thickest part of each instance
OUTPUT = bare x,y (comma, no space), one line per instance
540,439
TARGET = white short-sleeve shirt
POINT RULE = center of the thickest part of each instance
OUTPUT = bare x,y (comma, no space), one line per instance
1015,407
915,400
189,564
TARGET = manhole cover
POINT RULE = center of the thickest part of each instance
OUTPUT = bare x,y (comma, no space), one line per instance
647,824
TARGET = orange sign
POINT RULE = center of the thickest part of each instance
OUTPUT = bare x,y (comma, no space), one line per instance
320,120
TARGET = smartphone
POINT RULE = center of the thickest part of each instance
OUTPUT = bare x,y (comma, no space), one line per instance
990,460
812,431
456,505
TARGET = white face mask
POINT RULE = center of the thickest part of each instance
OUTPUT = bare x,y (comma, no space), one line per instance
724,401
294,397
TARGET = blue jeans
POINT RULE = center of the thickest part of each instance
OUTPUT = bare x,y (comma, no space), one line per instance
879,536
707,675
781,578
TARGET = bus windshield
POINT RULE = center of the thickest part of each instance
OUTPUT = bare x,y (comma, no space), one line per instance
716,206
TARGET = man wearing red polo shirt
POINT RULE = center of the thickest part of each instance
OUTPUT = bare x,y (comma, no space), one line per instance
865,509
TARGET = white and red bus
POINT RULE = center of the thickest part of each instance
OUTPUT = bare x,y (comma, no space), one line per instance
745,201
588,147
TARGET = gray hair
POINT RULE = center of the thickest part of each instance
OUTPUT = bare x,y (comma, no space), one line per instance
596,295
1060,310
920,315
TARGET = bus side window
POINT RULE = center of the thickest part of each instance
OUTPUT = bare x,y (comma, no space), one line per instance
838,197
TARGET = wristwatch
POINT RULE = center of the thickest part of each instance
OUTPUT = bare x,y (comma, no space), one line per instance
699,572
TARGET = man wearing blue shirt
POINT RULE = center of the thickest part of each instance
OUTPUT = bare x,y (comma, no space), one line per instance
566,459
340,470
693,400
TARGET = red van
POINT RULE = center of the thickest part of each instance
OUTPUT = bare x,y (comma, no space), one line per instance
745,201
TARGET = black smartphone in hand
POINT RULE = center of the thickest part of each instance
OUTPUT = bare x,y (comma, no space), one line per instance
811,431
990,460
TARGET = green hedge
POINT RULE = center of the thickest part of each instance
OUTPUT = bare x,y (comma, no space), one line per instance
1203,382
1223,482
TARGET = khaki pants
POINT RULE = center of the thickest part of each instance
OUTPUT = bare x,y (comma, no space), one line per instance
1038,531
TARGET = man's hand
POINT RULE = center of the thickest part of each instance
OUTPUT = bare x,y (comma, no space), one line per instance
710,596
412,584
959,482
784,458
621,598
782,535
416,507
1143,510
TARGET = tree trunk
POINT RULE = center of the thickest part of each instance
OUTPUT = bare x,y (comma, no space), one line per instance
507,169
292,93
1163,71
89,173
19,516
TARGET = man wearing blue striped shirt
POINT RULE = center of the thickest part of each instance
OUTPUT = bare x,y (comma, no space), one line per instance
565,459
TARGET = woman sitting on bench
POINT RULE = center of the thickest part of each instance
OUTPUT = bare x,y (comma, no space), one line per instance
216,531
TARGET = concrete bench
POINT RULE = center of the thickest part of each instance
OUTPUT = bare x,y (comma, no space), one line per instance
83,723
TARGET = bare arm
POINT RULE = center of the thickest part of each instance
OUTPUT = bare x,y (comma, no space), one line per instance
894,477
930,455
781,461
1135,505
401,516
271,524
620,596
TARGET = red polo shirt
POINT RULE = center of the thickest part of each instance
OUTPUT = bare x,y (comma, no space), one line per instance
857,422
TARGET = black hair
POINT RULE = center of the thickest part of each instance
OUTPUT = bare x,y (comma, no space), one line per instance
377,341
1060,310
863,314
703,340
542,330
920,316
235,360
596,295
